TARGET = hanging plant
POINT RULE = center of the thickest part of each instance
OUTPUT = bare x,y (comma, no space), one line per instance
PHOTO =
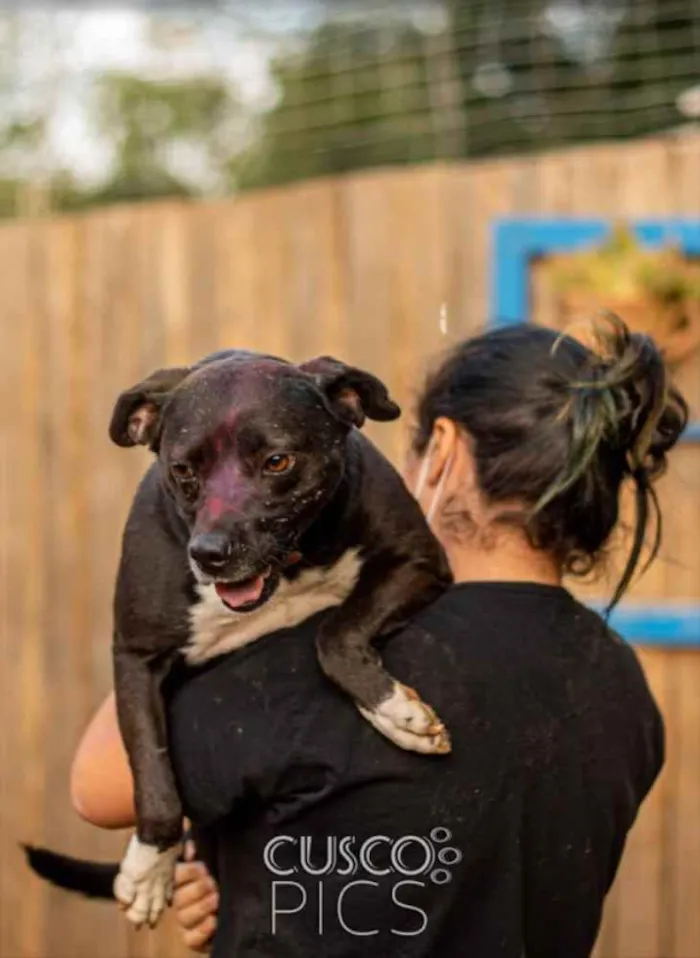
653,291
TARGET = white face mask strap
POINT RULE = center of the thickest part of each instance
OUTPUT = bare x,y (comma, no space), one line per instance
423,474
423,477
439,490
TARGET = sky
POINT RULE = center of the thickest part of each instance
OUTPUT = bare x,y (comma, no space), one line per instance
63,51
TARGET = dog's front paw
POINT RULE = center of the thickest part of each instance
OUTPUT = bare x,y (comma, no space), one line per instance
144,885
407,721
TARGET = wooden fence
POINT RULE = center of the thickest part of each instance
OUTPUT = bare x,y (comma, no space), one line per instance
357,267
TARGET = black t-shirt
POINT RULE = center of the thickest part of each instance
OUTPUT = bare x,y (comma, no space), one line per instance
328,840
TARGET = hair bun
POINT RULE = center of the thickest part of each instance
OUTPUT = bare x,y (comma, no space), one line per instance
621,403
624,406
652,413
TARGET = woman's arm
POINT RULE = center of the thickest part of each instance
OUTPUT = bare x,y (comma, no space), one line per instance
101,786
102,792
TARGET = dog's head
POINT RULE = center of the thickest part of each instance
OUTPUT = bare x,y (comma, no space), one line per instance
252,448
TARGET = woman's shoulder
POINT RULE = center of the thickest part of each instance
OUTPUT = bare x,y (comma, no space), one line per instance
522,642
532,618
489,644
472,629
489,619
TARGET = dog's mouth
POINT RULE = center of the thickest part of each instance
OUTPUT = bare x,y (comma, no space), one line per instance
248,594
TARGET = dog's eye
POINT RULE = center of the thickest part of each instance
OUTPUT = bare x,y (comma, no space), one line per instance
279,463
182,473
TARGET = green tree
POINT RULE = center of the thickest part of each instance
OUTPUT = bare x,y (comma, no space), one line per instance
23,125
150,125
498,78
355,95
19,140
537,74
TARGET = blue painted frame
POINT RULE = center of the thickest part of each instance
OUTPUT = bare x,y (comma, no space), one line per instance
516,242
675,625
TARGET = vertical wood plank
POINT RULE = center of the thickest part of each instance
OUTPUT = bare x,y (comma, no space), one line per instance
419,286
34,586
686,848
22,725
369,251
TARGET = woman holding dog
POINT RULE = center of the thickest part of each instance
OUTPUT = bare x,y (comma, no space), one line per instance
324,838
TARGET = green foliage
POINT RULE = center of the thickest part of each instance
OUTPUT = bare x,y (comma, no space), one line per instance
352,97
623,270
140,114
147,121
22,134
615,74
9,196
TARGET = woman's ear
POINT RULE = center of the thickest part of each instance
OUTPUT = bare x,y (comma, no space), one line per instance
442,448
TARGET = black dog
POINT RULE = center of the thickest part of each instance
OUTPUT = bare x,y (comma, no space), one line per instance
265,506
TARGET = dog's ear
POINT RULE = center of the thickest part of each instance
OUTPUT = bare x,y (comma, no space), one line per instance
136,416
352,394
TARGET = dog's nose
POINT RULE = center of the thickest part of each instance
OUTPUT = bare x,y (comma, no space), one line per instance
210,550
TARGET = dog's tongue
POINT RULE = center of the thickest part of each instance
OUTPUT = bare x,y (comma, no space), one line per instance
241,594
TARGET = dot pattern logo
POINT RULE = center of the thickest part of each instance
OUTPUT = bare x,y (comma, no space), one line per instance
448,855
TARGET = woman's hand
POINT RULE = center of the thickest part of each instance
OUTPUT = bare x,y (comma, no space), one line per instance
196,901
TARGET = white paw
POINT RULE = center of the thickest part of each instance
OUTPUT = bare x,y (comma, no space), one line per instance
144,885
404,709
438,744
409,722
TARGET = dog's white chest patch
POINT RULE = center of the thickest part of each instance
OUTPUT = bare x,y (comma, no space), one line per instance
217,629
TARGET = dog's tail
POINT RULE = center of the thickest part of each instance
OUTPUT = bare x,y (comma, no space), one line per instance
93,879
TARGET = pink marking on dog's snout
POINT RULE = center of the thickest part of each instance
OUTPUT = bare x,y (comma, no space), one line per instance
224,494
215,508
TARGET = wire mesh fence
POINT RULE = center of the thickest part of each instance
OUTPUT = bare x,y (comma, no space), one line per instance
480,78
302,88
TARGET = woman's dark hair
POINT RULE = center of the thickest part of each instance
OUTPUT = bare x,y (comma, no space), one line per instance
559,427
